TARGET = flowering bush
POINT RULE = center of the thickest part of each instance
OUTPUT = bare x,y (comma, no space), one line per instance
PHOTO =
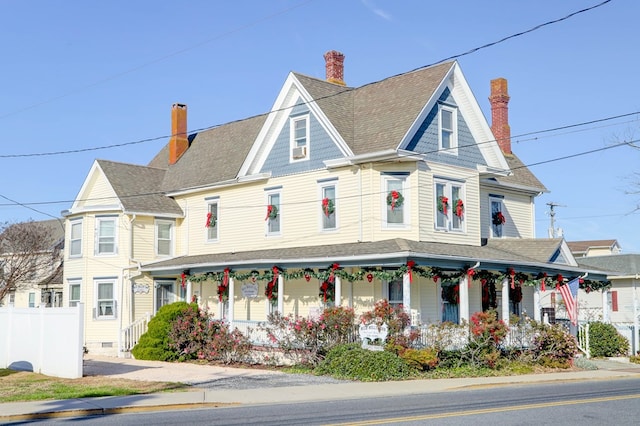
553,346
307,340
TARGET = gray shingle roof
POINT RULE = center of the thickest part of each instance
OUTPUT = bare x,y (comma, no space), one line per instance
527,257
522,176
625,264
138,188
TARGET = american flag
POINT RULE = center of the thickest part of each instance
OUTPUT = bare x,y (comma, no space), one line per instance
569,292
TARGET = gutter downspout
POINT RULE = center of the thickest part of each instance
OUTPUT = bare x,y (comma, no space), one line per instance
129,278
635,314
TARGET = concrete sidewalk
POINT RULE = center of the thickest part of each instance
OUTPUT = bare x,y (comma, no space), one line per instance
151,370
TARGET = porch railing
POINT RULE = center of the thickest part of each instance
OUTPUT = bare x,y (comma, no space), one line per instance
130,335
583,339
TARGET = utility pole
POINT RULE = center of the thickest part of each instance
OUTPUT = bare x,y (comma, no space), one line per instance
552,215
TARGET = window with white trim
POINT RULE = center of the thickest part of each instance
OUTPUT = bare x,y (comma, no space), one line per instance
164,237
447,129
212,220
32,300
395,292
106,234
273,213
449,206
395,198
328,206
167,292
74,292
497,216
75,238
299,137
105,299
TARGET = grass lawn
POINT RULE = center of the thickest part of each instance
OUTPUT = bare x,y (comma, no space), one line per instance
27,386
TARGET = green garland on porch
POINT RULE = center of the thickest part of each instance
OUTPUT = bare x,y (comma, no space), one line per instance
387,274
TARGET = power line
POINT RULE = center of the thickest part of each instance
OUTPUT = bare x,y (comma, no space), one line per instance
302,103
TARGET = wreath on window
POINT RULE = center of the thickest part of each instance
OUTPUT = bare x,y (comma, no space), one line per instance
272,212
498,218
515,294
451,294
328,207
271,290
443,204
395,199
459,211
327,291
211,220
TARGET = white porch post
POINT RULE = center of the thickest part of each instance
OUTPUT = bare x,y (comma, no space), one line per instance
280,293
232,288
536,304
338,290
406,293
605,306
505,300
463,286
635,315
439,298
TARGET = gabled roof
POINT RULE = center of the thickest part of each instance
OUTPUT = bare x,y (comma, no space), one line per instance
583,246
138,188
536,249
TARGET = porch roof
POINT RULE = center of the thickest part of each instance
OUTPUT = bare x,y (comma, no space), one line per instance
531,256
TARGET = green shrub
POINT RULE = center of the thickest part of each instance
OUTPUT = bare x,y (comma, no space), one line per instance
420,359
350,361
605,341
552,346
154,344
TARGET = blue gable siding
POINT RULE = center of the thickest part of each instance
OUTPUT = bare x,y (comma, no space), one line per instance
426,139
321,147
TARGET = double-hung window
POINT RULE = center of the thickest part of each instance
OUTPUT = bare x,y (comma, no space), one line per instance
105,291
273,213
497,215
395,200
106,234
328,209
299,137
447,129
74,292
213,219
75,238
449,206
164,237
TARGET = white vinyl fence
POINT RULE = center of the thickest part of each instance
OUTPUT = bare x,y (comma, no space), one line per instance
42,340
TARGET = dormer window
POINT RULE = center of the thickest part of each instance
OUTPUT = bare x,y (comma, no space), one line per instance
447,129
299,138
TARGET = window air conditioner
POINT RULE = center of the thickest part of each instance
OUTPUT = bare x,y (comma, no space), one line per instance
299,152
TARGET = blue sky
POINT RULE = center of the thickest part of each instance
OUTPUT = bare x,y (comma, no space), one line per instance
80,74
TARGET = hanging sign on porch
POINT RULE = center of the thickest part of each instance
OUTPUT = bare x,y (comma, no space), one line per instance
140,288
373,336
250,290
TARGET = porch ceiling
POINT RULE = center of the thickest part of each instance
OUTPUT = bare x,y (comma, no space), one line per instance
387,253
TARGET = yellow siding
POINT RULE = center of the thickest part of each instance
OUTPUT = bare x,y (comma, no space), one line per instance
99,192
518,211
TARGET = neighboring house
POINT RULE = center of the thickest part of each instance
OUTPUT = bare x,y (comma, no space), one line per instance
594,248
395,190
44,284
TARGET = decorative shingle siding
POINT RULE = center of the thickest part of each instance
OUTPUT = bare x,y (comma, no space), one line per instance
320,148
426,139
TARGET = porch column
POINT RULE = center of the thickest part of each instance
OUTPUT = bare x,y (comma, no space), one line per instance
440,304
605,306
505,300
463,286
232,288
280,293
338,290
406,293
537,316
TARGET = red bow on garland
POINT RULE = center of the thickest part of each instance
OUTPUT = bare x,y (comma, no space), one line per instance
410,265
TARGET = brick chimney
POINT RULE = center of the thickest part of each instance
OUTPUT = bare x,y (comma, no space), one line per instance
179,142
334,62
499,100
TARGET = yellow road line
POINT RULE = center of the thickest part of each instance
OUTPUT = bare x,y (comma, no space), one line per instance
488,410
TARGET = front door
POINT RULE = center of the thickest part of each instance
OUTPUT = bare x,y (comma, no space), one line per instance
167,292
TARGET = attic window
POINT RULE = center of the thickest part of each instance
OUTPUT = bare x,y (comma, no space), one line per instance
299,139
448,129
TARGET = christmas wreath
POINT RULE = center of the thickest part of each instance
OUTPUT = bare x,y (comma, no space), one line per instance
272,212
328,207
498,218
328,291
459,211
443,204
211,220
394,199
450,294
